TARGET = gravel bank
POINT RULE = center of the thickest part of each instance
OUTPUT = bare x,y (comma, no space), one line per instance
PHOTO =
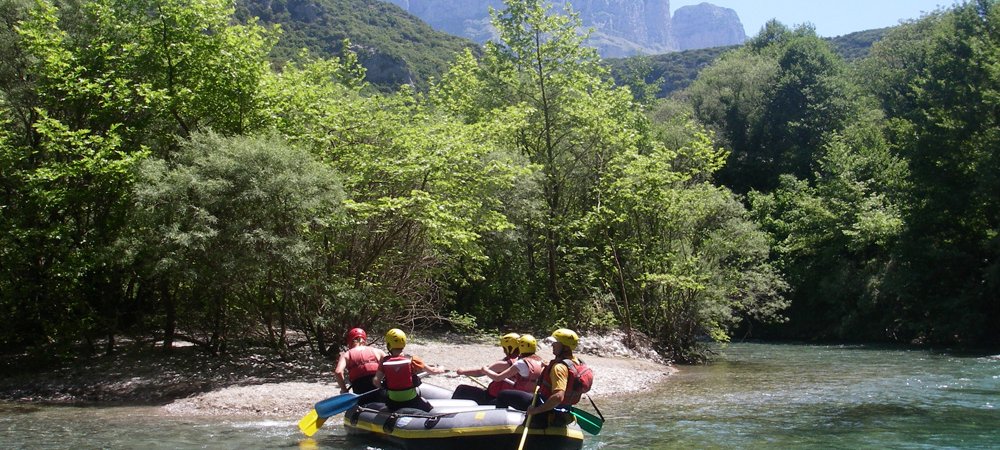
290,399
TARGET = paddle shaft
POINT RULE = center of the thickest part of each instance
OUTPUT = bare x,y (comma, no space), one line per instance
527,420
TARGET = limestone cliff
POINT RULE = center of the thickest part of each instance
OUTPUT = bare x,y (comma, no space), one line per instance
706,25
621,27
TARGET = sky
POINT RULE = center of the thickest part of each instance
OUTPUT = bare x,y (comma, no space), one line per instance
831,18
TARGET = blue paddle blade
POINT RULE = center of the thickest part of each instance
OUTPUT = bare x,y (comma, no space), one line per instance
336,404
339,403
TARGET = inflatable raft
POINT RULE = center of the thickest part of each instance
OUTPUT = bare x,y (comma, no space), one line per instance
456,424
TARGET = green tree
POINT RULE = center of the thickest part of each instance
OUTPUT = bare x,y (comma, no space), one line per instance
773,102
93,89
569,119
237,227
834,236
422,189
942,99
681,254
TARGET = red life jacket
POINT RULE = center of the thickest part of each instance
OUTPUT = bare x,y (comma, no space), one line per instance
535,369
495,387
579,381
361,361
398,373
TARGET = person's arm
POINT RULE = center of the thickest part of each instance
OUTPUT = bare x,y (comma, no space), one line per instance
478,372
554,400
434,370
338,372
507,373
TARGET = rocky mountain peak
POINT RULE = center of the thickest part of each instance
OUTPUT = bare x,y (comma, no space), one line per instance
621,27
705,25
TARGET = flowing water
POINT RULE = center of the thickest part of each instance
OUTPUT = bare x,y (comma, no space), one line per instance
752,396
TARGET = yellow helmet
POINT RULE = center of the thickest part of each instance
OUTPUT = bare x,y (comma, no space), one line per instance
395,339
527,344
566,337
509,342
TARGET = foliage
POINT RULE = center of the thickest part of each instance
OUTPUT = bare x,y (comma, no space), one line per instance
422,189
236,229
943,99
773,103
96,88
613,215
682,253
834,236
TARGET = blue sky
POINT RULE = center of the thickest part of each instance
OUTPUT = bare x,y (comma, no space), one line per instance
831,18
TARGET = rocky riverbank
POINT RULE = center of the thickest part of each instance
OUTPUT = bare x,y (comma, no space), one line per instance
189,383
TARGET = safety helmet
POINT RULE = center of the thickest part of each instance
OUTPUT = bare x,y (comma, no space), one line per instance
395,339
527,344
355,334
509,342
566,337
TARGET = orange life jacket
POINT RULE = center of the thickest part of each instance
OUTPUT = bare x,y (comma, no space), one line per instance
535,369
495,387
361,361
579,381
398,373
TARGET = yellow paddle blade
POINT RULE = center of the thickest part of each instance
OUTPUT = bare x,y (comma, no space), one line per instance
311,423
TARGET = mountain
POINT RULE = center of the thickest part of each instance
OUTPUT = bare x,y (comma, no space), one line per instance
621,27
705,26
395,47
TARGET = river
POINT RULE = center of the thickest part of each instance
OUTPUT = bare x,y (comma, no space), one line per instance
751,396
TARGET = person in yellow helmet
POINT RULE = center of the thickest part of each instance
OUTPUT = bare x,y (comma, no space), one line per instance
523,375
398,374
488,395
563,382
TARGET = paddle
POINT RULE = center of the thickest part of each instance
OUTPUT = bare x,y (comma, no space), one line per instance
311,423
527,420
338,403
326,408
477,381
587,421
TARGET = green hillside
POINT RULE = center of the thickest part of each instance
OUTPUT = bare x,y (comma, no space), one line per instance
679,69
395,47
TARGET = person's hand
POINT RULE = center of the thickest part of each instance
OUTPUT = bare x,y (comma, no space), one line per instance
344,390
532,410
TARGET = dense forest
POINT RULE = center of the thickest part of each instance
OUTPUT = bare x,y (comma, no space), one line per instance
163,178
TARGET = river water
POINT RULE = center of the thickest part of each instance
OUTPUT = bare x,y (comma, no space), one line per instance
752,396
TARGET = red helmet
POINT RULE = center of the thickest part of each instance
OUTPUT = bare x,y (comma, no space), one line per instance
356,333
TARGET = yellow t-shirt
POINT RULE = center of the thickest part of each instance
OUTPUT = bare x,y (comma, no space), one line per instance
559,376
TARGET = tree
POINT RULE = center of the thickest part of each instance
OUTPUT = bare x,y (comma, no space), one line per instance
95,88
569,119
422,189
834,236
938,79
629,233
681,253
236,227
773,102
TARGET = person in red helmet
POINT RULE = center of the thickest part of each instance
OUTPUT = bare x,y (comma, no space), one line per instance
360,362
